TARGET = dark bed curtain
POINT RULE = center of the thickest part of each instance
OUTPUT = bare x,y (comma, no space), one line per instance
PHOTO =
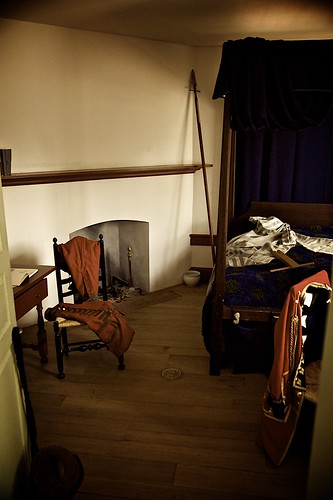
278,165
281,101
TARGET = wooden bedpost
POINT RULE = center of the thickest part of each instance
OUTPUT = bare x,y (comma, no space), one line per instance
232,186
221,242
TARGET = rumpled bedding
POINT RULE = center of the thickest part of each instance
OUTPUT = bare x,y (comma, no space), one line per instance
270,235
254,285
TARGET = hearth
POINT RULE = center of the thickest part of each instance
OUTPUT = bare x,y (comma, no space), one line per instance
126,244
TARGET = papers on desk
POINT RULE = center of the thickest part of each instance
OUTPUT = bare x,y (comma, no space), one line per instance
19,275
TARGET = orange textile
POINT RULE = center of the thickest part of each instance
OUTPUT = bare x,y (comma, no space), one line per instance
102,317
82,257
286,386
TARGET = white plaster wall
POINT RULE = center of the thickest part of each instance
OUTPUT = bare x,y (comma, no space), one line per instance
73,99
76,99
59,209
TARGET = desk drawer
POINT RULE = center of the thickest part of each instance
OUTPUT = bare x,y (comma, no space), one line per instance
28,300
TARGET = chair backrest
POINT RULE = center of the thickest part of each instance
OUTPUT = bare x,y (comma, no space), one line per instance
64,280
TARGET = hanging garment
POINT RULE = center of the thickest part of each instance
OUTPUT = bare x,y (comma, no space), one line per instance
102,317
284,393
82,257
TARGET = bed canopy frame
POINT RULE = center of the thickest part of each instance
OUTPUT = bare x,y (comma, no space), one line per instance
272,85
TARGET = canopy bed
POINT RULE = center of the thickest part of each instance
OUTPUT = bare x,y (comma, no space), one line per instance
274,243
277,162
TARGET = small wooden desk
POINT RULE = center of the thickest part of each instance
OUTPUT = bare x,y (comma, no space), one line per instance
29,295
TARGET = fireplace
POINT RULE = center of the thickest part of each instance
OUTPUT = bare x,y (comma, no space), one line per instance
126,244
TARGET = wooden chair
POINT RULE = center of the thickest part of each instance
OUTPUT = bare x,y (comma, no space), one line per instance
66,289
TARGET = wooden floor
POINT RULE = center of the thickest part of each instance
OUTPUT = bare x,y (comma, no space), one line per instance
142,436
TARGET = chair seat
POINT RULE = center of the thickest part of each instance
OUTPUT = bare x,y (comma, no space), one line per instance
66,323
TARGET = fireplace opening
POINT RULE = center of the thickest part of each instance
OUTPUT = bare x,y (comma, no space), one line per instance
126,245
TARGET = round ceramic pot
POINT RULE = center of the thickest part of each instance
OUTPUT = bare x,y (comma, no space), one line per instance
191,278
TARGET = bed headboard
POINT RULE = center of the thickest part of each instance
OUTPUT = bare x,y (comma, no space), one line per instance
295,214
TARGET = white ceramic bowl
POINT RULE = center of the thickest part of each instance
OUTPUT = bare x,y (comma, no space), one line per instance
191,278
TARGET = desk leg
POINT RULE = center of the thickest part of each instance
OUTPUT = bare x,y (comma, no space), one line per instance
41,334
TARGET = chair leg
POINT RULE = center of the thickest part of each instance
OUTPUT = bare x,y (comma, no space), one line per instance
121,362
57,337
64,339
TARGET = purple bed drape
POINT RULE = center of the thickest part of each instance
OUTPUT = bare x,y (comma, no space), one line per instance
281,102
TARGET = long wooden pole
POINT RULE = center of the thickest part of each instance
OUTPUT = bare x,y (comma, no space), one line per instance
217,342
203,164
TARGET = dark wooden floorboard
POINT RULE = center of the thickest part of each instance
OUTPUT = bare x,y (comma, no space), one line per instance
141,436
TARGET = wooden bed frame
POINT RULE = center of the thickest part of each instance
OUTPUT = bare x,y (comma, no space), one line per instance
296,214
